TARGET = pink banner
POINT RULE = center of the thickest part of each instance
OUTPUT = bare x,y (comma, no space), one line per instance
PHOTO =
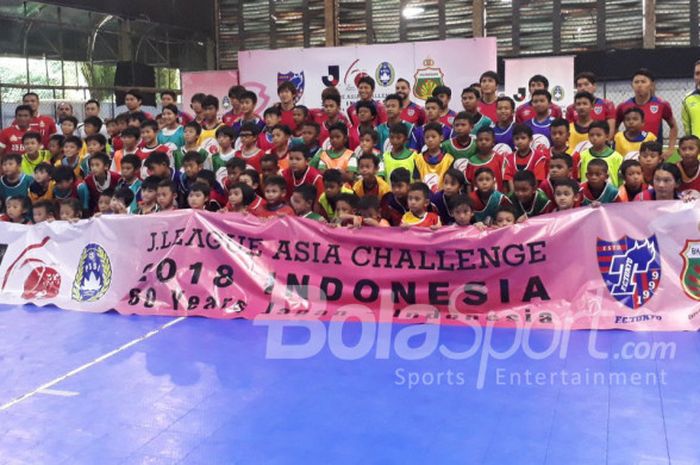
216,83
633,266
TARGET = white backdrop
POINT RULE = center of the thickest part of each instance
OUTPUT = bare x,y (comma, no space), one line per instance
559,71
458,62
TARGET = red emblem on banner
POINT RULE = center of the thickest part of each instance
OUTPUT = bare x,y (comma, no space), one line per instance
42,282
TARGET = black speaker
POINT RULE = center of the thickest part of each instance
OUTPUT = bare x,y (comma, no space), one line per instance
130,74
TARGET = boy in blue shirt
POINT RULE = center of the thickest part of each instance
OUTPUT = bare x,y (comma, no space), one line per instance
13,183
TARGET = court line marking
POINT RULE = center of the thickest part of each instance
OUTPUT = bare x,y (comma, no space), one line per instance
59,393
84,367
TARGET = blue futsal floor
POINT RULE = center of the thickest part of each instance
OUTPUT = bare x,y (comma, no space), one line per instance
204,392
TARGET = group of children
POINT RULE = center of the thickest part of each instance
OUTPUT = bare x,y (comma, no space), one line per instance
380,165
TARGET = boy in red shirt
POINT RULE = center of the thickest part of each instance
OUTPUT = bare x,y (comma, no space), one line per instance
603,110
234,96
287,94
275,193
300,172
249,151
280,145
524,158
272,119
365,89
418,203
444,93
525,111
489,99
99,179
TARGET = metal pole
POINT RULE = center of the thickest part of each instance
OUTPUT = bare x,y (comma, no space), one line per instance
331,22
478,22
649,31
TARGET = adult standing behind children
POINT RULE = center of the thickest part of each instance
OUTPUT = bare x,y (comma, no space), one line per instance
690,110
411,112
525,111
603,110
656,110
365,90
43,124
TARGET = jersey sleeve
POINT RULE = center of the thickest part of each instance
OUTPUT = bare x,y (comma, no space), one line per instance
570,114
381,113
84,196
555,110
609,109
667,113
352,165
541,169
52,128
3,139
352,114
421,116
508,170
685,116
619,115
318,184
316,160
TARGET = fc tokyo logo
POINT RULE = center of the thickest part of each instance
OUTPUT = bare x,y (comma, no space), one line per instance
631,269
295,78
94,275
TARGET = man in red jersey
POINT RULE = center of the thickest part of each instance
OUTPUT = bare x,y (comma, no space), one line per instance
656,110
489,85
43,124
525,112
411,112
603,110
11,137
365,89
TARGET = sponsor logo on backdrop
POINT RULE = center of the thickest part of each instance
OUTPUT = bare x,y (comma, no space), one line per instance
631,269
384,74
333,77
42,281
427,79
225,102
295,78
558,93
261,90
354,74
690,274
520,96
94,274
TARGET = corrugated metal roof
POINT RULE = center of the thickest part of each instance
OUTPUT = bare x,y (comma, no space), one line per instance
672,23
578,25
352,22
458,18
427,25
280,23
536,27
499,23
623,24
